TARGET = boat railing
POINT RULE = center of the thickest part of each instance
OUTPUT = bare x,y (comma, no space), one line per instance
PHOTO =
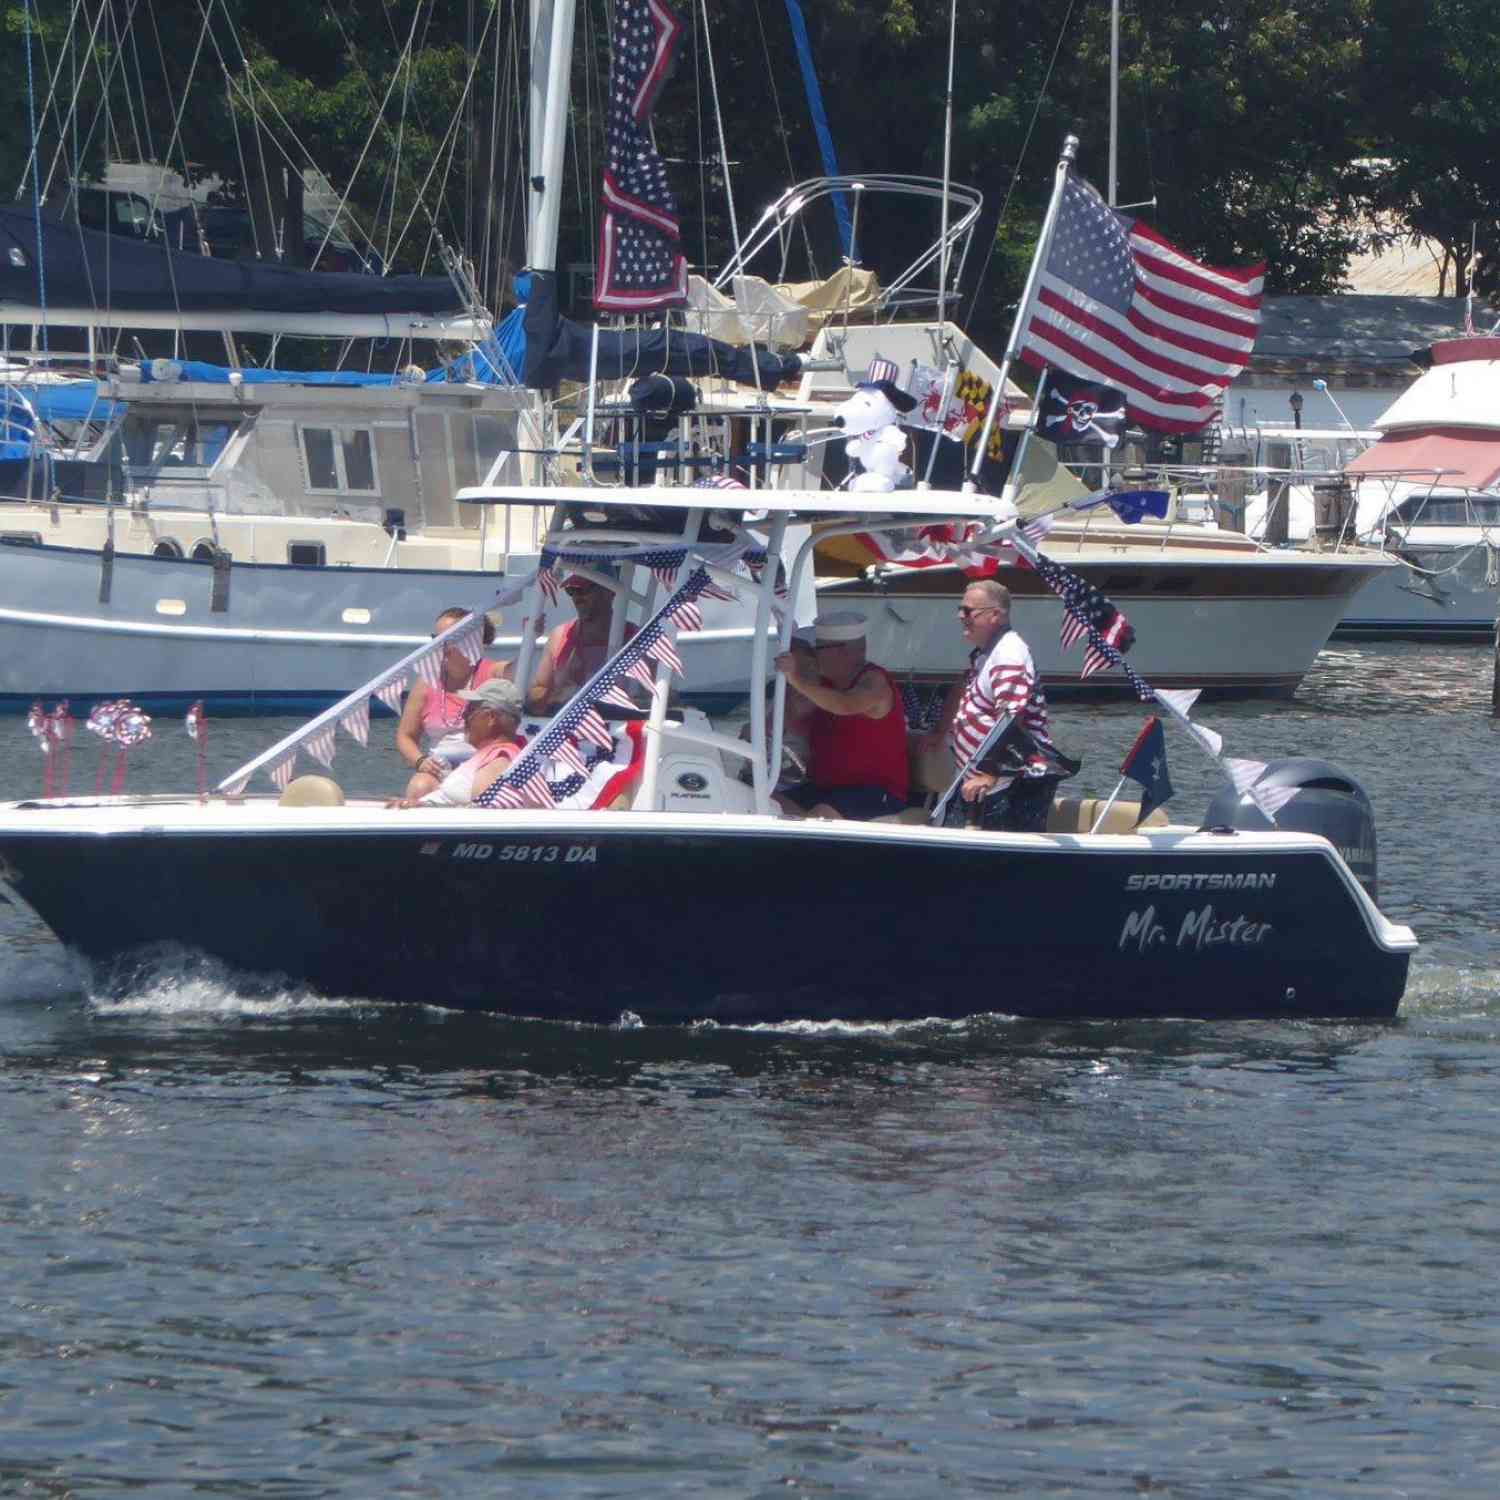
776,225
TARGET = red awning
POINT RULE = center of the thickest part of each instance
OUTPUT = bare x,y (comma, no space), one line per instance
1469,458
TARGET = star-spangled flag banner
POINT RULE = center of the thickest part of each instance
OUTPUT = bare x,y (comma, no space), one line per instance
1120,305
525,783
1086,605
1146,763
641,265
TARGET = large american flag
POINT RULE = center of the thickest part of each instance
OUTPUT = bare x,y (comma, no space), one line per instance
1119,304
640,239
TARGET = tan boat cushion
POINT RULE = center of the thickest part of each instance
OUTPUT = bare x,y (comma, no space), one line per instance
1077,815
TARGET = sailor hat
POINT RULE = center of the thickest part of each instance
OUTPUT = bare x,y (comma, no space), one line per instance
840,626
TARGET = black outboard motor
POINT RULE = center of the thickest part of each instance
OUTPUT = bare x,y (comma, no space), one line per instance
1329,802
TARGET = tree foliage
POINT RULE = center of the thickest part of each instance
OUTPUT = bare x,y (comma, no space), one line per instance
1249,129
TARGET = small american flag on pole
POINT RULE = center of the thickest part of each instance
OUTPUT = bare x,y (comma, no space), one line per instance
641,265
1119,304
1108,632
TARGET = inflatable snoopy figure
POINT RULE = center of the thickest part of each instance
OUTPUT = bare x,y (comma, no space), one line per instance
872,418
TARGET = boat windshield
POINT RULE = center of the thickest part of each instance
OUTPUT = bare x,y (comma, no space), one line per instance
1448,510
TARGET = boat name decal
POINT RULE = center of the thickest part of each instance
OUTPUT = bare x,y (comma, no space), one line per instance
1237,881
535,854
1200,929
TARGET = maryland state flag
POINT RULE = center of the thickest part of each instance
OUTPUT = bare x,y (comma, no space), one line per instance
1075,411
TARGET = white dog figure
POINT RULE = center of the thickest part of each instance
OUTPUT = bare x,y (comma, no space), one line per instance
872,418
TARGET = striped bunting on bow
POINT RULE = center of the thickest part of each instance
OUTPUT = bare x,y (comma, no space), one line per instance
1244,774
281,772
579,718
665,564
390,694
321,745
356,723
642,674
688,617
664,654
429,668
471,642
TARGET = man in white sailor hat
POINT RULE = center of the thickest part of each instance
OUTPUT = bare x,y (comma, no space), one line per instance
856,731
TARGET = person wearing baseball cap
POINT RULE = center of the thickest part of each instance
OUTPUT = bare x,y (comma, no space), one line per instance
857,728
492,714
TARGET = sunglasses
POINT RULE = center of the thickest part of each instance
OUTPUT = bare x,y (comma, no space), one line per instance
965,612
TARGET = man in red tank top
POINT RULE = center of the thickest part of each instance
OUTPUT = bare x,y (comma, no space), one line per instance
857,734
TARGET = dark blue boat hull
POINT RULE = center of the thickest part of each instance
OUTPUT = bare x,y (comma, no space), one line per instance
597,919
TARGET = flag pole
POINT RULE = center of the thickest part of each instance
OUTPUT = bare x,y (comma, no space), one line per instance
1013,478
1099,821
1028,299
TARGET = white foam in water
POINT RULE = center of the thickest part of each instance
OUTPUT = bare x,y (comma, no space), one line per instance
1451,991
171,980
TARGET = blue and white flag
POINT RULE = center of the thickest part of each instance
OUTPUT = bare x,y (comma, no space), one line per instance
1146,763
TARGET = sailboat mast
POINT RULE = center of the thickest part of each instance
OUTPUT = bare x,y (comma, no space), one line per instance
942,306
551,64
1114,100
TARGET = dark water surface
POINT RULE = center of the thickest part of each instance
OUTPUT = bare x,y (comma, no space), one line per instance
259,1244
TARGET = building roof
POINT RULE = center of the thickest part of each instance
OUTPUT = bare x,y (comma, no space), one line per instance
1353,331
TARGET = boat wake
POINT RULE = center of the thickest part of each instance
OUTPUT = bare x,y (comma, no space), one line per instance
1452,992
169,979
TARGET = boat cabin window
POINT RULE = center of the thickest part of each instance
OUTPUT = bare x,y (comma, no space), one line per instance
204,550
340,460
167,547
306,554
1448,510
157,442
22,538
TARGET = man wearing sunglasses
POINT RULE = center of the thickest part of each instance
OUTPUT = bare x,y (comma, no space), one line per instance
1012,787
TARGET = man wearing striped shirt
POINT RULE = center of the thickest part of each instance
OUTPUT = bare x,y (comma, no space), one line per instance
1014,790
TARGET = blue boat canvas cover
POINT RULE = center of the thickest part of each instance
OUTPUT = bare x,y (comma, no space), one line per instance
85,268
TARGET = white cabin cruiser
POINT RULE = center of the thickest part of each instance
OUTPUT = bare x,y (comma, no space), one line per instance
590,851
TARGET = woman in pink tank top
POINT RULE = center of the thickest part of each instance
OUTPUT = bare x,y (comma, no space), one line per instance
435,714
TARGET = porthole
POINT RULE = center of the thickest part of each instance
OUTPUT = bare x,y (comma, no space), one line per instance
204,550
167,547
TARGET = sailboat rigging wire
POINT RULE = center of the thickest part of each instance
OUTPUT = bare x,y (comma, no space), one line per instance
713,84
448,144
50,104
36,197
1015,175
72,109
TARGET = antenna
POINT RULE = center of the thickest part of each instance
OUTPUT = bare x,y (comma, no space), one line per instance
1320,385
